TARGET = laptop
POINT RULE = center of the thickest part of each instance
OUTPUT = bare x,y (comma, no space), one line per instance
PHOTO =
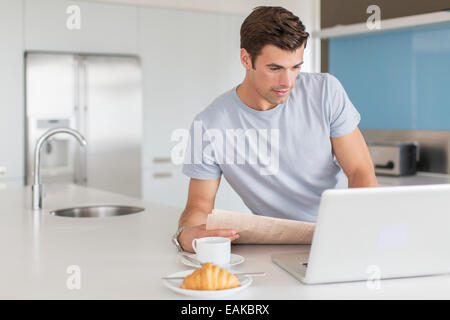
376,233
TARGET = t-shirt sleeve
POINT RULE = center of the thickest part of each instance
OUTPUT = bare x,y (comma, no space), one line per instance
197,164
342,114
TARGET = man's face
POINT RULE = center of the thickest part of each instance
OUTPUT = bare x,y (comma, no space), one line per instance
274,73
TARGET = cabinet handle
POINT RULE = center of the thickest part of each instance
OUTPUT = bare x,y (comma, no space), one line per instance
2,170
161,159
157,175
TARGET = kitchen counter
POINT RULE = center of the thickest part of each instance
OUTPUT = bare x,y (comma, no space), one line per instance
124,257
418,178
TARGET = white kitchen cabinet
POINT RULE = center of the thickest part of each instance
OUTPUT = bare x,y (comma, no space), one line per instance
11,183
103,28
165,184
11,90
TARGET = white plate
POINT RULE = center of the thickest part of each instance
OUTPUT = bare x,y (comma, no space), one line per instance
235,259
174,285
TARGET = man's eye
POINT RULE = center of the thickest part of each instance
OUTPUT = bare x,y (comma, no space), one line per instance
274,69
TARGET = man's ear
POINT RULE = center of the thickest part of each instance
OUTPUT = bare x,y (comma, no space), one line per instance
246,59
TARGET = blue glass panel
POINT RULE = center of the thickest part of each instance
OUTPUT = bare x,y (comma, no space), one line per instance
398,79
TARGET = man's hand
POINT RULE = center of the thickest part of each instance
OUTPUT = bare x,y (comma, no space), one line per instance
200,203
189,234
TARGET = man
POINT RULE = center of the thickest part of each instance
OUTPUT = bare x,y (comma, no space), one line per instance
316,144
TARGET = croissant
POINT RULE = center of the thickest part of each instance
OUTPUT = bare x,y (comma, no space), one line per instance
210,277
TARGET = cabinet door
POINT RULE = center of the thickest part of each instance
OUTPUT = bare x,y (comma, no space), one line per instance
112,106
102,28
10,183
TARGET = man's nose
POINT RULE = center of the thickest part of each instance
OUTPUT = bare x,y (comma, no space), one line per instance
286,79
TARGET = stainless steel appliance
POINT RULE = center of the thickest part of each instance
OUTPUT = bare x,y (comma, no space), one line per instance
101,97
395,158
434,146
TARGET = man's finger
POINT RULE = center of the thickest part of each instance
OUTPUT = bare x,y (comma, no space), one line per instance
221,233
232,237
235,237
218,232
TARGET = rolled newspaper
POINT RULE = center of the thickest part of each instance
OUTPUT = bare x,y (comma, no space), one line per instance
255,229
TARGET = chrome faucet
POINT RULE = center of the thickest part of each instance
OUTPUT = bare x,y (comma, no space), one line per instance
37,187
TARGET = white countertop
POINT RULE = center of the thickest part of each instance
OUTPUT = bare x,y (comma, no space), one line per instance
124,257
419,178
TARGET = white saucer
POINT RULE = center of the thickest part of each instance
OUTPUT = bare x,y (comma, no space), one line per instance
235,259
174,285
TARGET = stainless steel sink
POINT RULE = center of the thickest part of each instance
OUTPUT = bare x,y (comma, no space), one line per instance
96,211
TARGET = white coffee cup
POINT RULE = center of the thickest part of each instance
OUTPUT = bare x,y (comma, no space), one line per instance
216,250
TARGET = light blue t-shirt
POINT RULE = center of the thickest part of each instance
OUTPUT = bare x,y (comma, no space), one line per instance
279,161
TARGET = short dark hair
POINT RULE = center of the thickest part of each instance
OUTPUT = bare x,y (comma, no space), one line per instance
272,25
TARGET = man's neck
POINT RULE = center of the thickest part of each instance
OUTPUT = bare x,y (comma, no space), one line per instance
247,93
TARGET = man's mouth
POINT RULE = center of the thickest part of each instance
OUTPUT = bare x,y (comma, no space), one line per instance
281,93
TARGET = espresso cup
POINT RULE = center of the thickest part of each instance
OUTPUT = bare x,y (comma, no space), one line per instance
215,250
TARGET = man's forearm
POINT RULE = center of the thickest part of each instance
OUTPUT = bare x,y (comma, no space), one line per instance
193,216
362,179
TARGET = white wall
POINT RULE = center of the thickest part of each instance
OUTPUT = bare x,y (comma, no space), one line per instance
11,91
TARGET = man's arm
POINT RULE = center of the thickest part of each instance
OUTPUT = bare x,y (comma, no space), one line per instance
200,203
354,157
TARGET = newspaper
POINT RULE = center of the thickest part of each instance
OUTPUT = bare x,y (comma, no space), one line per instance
255,229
